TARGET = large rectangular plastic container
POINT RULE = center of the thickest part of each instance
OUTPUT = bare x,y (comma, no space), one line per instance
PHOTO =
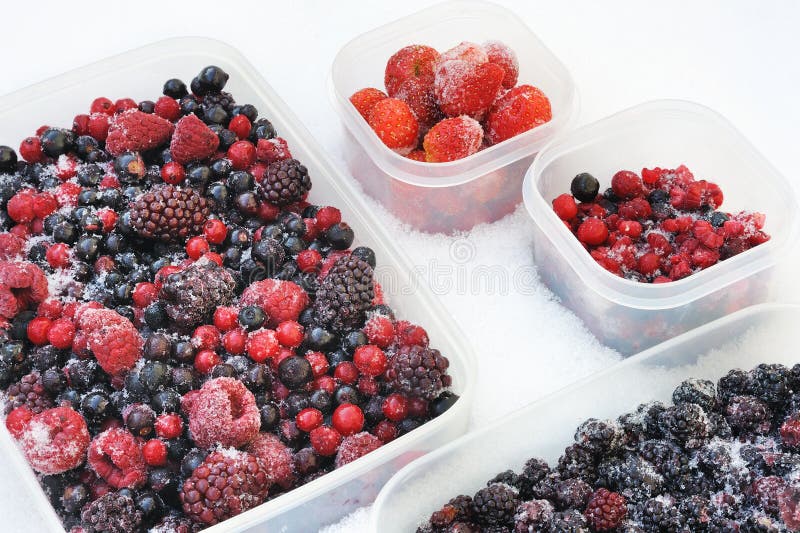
762,333
446,197
139,74
630,316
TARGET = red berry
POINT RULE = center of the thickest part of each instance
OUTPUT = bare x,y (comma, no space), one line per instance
386,431
144,293
346,372
108,218
169,426
452,139
155,452
213,256
325,440
631,228
517,111
61,333
627,184
308,419
319,363
240,125
234,341
348,419
215,231
20,206
327,217
368,386
38,329
242,154
370,360
168,108
648,264
98,126
80,124
394,123
17,420
565,207
58,255
379,331
205,360
196,247
417,407
605,510
790,432
289,333
206,337
309,261
226,318
125,104
395,407
102,105
51,308
365,99
593,232
409,334
326,383
262,345
31,150
173,173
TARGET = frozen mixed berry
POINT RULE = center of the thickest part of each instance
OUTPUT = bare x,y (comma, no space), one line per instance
223,411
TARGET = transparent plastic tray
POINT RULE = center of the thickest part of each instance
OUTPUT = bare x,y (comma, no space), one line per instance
631,316
140,74
445,197
762,333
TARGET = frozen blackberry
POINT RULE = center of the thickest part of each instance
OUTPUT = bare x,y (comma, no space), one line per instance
225,484
534,515
600,436
658,452
418,371
661,514
191,295
112,512
650,412
771,383
345,294
686,423
698,391
748,415
578,461
572,493
696,512
459,509
285,182
168,213
568,522
222,99
631,476
534,471
29,392
735,383
495,505
605,510
508,477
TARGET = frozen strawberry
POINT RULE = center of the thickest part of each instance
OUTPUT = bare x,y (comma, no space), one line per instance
501,54
462,88
192,140
115,456
365,99
271,150
466,51
417,155
414,61
134,131
517,111
112,338
452,139
276,458
280,300
395,124
223,412
55,440
418,94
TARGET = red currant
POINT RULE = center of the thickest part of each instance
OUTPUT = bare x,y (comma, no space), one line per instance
370,360
226,318
325,440
215,231
196,247
348,419
395,407
169,426
38,329
173,173
205,360
346,372
155,452
289,333
308,419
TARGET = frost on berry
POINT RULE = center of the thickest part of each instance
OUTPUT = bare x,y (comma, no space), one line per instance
223,412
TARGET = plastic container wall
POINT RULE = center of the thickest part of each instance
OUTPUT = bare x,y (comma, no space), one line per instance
140,74
758,334
446,197
631,316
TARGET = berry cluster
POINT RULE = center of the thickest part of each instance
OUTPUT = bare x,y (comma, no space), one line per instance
444,107
657,227
182,335
721,458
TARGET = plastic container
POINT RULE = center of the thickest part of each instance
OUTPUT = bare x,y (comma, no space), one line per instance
627,315
446,197
140,74
762,333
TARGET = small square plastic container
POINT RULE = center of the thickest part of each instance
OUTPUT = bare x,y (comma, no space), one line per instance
484,187
627,315
139,74
758,334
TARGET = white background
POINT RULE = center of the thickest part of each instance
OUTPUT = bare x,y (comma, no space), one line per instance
737,57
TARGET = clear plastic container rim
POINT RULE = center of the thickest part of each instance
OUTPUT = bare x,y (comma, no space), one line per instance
469,168
649,296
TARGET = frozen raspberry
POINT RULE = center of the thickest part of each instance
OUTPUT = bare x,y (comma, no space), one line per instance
20,206
462,88
192,140
605,510
11,246
280,300
395,124
414,61
223,412
627,184
271,150
365,99
226,483
502,54
517,111
276,458
356,446
112,338
452,139
134,131
409,334
116,457
593,231
55,440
